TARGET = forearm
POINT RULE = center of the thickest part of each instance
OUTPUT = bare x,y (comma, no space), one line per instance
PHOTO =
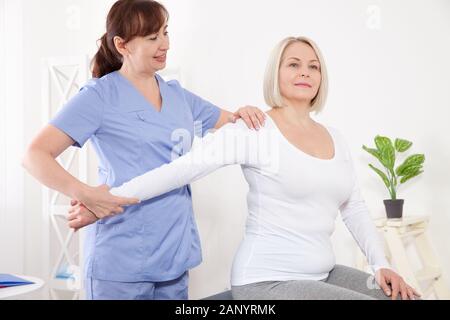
150,184
49,172
356,217
363,230
166,178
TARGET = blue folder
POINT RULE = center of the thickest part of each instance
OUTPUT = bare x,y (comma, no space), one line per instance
7,280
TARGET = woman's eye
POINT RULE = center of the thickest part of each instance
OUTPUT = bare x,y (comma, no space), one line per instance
295,65
156,37
314,67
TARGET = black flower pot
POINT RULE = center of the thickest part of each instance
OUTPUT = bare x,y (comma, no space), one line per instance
394,208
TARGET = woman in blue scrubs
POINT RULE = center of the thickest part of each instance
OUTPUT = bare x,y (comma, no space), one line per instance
136,122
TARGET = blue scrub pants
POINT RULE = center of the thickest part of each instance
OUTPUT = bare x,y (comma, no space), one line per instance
176,289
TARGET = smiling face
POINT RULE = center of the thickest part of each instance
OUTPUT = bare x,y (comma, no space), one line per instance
299,74
146,54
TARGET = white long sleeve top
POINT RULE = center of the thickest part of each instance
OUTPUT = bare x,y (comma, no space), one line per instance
293,201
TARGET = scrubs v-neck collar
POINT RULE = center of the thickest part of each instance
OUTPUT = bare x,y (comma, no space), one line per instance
141,97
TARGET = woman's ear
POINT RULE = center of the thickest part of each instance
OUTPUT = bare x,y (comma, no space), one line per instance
121,46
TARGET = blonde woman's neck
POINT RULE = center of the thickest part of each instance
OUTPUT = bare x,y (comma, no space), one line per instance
298,114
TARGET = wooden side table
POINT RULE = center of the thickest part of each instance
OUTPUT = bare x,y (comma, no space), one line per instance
394,232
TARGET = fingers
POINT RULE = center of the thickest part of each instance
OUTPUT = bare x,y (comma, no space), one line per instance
114,207
248,121
72,216
73,202
75,224
414,291
76,211
127,201
417,294
403,291
118,210
74,221
255,122
261,117
395,289
75,208
252,116
78,224
80,216
410,293
383,284
81,220
257,117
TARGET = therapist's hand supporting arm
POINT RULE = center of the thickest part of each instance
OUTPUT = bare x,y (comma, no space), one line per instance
40,162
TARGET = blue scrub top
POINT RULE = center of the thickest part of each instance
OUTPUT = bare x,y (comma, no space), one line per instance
156,240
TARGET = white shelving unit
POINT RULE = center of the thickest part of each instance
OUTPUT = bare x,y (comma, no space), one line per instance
63,249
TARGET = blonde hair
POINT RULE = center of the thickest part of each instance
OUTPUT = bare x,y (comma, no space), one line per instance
272,93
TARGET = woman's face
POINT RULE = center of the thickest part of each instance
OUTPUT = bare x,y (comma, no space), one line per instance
299,75
148,54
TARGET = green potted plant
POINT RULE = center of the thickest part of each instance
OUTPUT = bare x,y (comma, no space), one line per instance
386,153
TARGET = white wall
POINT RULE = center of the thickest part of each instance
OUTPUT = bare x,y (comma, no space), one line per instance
389,75
11,139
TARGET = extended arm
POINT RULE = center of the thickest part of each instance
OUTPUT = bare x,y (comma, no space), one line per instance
224,147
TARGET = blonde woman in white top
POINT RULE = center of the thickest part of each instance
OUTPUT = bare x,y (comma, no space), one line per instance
300,175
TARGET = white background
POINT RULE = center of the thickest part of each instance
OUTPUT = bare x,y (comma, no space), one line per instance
389,74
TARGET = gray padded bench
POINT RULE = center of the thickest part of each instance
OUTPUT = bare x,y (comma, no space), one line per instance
226,295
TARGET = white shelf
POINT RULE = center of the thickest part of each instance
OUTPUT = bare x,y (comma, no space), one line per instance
63,78
64,285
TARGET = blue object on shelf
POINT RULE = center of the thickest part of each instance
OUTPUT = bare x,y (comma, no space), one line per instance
64,273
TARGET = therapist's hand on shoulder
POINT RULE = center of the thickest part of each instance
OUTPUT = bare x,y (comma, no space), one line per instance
102,203
252,116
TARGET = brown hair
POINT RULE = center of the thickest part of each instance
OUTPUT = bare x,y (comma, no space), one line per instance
126,19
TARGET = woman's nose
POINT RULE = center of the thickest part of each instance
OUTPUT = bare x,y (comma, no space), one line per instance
304,73
165,45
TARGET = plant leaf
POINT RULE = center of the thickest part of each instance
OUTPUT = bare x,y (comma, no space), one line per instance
373,152
402,145
414,160
381,142
381,174
406,178
408,170
388,156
